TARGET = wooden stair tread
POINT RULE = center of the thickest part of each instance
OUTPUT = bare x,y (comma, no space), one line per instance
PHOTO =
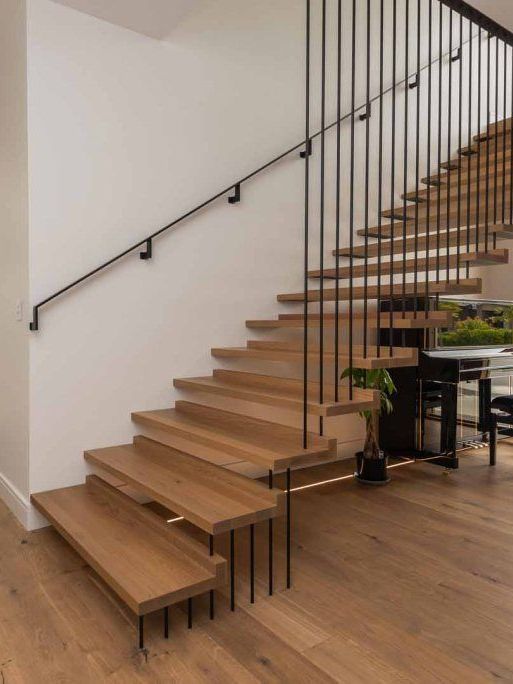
463,174
284,353
212,498
409,321
149,564
453,237
412,265
463,286
449,220
455,179
254,440
282,392
497,128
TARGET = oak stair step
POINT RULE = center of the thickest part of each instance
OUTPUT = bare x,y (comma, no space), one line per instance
147,563
498,128
452,287
475,159
453,237
476,175
450,194
484,145
250,439
453,181
473,259
285,352
214,499
446,220
282,392
499,192
434,319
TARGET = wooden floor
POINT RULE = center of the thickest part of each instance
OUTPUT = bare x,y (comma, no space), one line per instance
408,583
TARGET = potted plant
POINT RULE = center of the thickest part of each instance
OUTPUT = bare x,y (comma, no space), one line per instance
371,463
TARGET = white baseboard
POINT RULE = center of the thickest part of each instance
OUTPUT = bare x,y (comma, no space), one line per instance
20,505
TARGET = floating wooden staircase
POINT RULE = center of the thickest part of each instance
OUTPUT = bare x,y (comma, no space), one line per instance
184,460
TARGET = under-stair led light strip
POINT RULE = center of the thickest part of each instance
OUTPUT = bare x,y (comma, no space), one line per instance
316,484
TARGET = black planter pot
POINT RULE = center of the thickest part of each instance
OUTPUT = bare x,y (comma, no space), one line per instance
372,471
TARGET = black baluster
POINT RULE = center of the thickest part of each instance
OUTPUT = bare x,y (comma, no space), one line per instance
449,150
460,141
417,168
337,200
366,192
306,262
428,158
380,171
405,148
351,196
321,218
392,178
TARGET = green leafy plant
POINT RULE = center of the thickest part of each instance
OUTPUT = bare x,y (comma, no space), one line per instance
474,331
380,381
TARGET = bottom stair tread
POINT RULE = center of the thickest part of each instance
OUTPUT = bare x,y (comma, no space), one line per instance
210,497
149,564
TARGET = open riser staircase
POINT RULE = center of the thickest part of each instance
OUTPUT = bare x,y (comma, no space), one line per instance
442,215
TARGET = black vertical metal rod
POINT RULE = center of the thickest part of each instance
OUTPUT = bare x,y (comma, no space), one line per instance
232,570
405,148
212,598
439,145
460,141
252,563
288,530
166,622
306,230
380,171
189,613
511,147
469,159
428,158
496,138
322,212
141,632
479,98
417,166
366,191
337,200
449,149
488,170
504,114
351,198
271,570
392,177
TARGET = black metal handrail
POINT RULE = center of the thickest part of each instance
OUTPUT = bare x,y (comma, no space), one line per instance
147,242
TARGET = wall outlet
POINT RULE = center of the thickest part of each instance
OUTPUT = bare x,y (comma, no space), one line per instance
19,310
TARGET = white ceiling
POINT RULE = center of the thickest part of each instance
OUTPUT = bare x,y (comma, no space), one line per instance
500,11
154,18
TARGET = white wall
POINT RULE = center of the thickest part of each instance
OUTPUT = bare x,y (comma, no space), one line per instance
14,487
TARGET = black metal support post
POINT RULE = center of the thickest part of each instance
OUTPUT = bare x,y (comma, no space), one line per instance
211,594
166,622
271,570
141,632
232,570
189,613
252,563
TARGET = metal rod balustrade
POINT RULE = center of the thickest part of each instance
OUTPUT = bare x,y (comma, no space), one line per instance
439,148
380,168
449,149
504,114
392,177
417,165
322,214
469,158
367,181
147,242
351,196
479,98
460,118
428,157
405,151
487,183
307,222
511,148
337,199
